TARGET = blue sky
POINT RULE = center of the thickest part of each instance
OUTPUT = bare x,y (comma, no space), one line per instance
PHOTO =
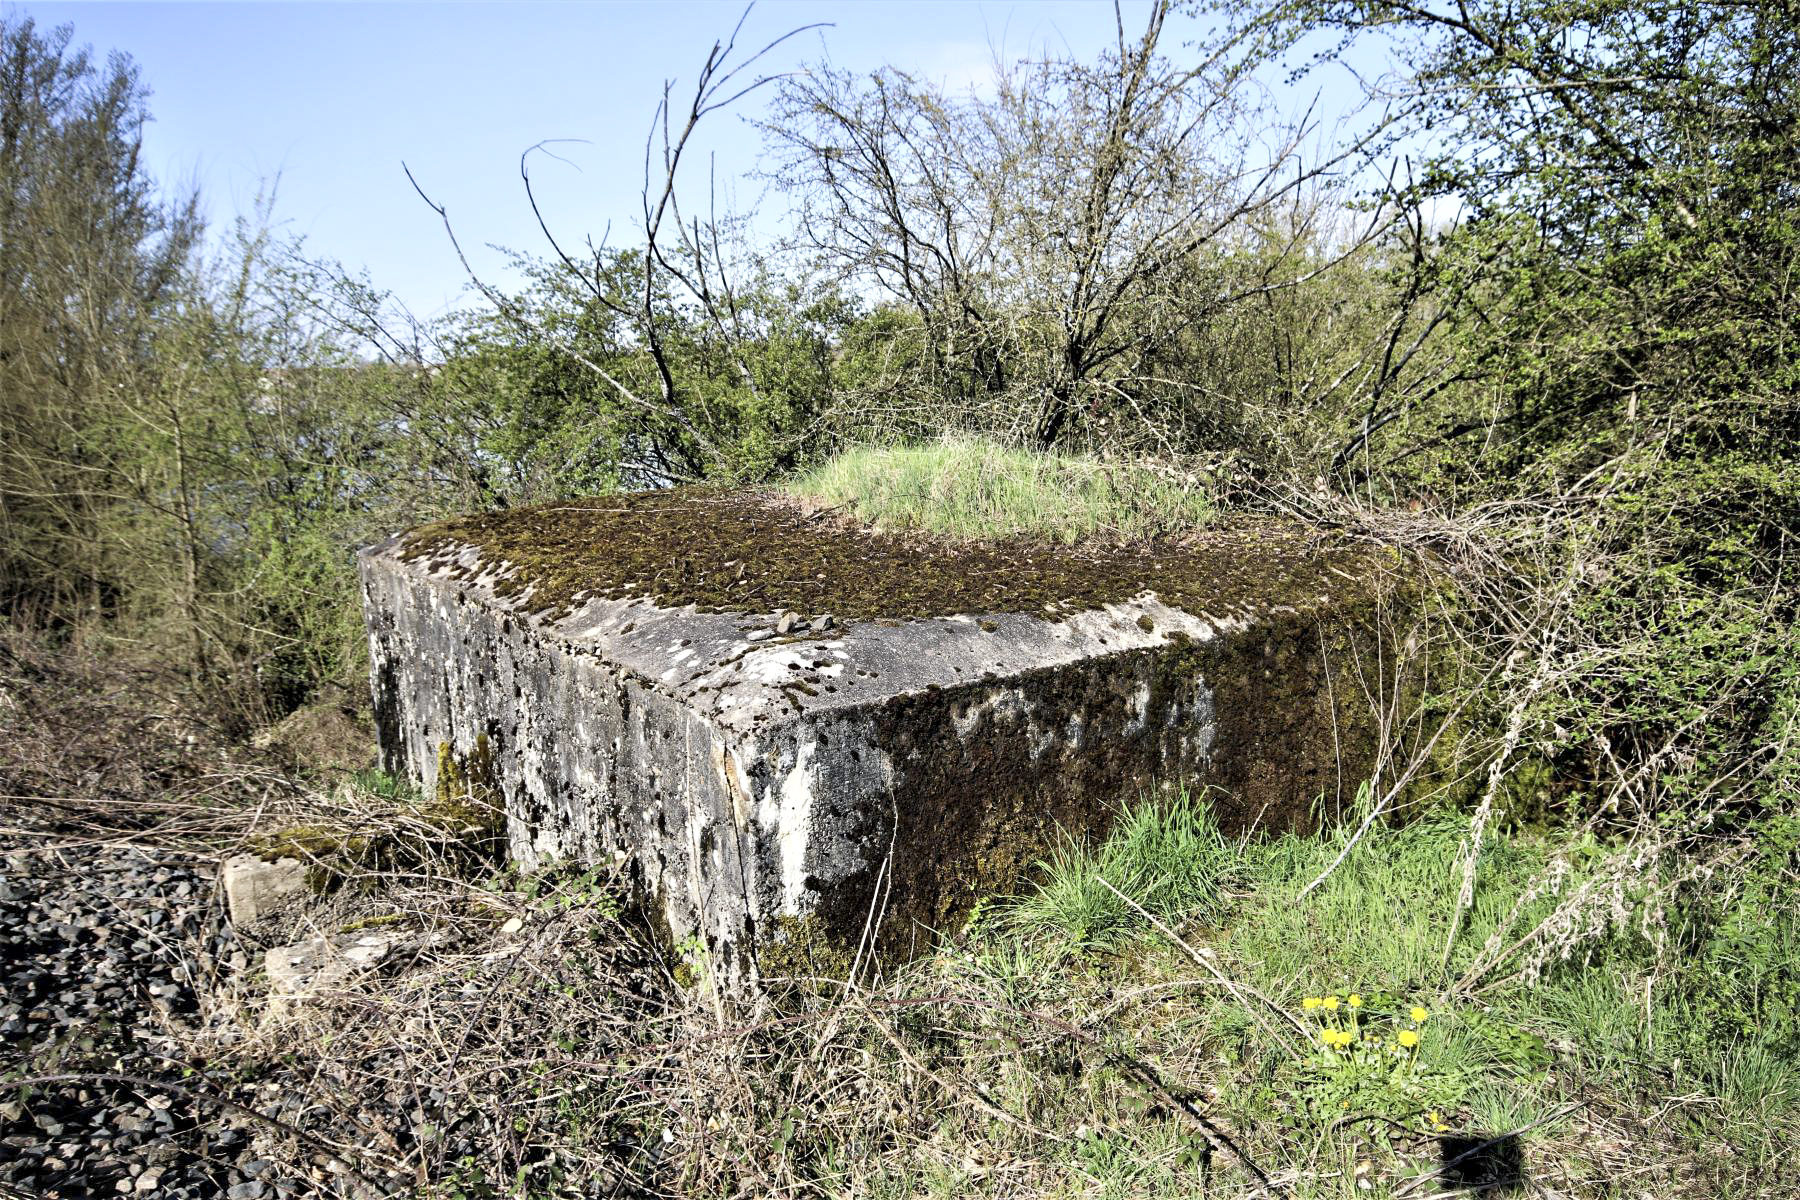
332,97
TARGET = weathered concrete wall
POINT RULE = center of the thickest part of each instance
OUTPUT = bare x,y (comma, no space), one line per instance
900,766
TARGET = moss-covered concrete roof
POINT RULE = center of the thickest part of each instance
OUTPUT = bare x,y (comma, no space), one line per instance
747,551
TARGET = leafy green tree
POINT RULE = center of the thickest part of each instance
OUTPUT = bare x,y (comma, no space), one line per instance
704,362
89,256
251,454
1621,278
547,382
1618,307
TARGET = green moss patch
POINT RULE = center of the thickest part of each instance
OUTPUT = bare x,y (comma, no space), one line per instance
801,949
745,551
463,824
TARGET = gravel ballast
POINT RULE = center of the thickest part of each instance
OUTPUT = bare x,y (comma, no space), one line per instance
105,950
140,1059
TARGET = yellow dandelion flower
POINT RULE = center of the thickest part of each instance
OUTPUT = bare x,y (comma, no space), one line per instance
1310,1003
1330,1003
1328,1036
1355,1000
1409,1038
1418,1014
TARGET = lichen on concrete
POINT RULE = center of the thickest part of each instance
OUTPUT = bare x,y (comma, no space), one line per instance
803,950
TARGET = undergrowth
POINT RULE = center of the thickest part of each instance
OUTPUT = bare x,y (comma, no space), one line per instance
1210,1025
1164,1012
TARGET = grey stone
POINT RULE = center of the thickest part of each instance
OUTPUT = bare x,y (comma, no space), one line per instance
256,890
765,789
298,972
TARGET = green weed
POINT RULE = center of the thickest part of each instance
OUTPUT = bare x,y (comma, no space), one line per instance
374,781
1369,1057
1380,920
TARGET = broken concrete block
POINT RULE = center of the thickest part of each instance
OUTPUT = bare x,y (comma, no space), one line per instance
257,890
304,970
878,771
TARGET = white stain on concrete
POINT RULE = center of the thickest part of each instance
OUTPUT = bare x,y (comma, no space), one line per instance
794,817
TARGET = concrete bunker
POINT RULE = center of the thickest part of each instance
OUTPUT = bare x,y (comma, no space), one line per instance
789,722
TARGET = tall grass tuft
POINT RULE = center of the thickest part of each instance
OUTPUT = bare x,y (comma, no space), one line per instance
1166,854
969,488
